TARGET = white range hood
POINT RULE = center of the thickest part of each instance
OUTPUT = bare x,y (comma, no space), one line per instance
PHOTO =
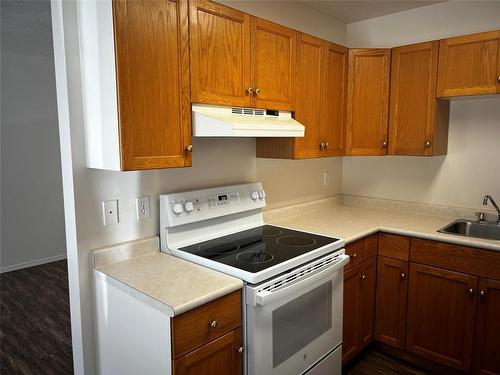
215,121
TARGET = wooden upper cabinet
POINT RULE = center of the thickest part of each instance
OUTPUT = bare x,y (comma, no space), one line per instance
487,341
367,101
273,62
332,131
220,54
441,315
311,72
152,64
469,65
418,122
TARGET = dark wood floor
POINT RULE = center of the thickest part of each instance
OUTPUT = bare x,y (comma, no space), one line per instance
35,335
375,363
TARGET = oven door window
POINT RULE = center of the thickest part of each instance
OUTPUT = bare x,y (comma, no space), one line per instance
301,321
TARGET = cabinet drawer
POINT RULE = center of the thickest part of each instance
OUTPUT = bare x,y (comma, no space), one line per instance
361,250
465,259
194,329
393,246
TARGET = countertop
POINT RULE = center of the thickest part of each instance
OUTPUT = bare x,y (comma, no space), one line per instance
171,284
354,222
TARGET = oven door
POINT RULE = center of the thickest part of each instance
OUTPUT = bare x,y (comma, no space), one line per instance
292,325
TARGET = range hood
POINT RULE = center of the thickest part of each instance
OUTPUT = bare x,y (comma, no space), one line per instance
215,121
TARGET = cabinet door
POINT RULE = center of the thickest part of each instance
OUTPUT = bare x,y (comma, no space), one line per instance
441,310
219,357
417,124
487,341
368,283
469,65
368,101
152,63
332,132
310,90
220,54
351,314
274,60
392,295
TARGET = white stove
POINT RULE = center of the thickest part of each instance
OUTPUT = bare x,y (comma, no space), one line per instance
293,279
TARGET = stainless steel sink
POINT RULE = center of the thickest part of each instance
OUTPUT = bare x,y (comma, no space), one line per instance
473,228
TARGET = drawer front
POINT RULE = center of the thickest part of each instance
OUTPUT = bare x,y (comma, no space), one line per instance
355,252
393,246
205,323
464,259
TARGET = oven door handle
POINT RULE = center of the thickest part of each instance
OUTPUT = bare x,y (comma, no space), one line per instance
264,297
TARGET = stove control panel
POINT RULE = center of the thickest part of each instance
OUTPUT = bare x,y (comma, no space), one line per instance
192,206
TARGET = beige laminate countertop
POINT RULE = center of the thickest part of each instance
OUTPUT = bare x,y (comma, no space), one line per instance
171,284
352,223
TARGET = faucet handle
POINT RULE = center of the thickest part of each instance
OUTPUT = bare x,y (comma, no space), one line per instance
480,216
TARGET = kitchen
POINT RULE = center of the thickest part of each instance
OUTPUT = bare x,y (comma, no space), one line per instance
336,181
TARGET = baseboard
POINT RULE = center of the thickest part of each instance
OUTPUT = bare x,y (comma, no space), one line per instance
31,263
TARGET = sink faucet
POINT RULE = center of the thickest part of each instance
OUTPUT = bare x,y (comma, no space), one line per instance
493,203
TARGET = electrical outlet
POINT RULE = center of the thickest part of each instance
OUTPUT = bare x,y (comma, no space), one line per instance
326,179
110,212
142,205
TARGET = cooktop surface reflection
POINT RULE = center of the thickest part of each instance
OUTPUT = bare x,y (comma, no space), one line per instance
256,249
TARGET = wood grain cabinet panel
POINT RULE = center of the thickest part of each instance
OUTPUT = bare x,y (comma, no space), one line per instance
367,101
311,75
392,295
367,304
418,122
152,67
274,60
394,246
351,314
441,315
332,131
219,357
220,54
469,65
487,339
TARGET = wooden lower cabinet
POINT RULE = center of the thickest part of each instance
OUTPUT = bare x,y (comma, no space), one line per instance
487,339
392,294
359,306
220,357
441,311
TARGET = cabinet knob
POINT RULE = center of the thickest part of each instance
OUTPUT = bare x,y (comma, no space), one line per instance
362,277
384,144
428,144
498,78
403,275
471,291
482,293
213,323
241,349
250,90
327,144
322,146
257,91
189,148
354,256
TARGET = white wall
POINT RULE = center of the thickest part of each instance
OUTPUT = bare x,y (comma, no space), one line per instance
215,162
472,166
32,207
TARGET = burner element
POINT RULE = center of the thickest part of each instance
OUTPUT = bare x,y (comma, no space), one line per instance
254,257
219,247
268,231
296,241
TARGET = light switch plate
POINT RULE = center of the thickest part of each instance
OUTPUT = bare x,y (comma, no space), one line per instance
326,179
110,212
142,207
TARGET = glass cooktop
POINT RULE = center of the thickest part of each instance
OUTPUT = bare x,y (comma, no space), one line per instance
256,249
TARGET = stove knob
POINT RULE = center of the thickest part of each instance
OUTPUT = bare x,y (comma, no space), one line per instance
177,208
188,206
262,194
254,195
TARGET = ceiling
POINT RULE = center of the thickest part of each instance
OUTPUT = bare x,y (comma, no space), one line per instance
354,10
